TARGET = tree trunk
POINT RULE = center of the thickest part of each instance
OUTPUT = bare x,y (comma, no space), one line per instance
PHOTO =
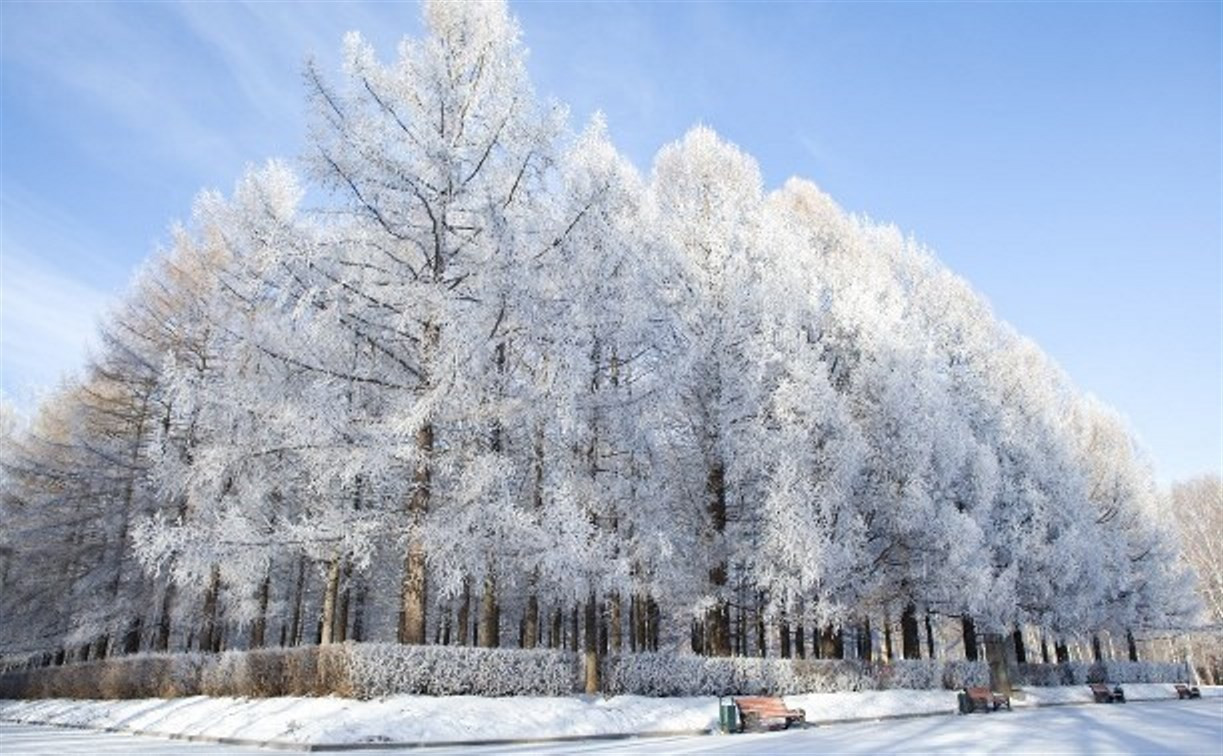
1096,654
131,639
330,591
1131,645
490,629
866,642
929,637
574,636
413,607
969,629
718,618
784,634
1062,651
592,646
531,630
259,628
910,636
603,639
829,643
653,623
299,600
210,638
615,635
1044,649
1021,651
761,639
999,664
340,633
800,641
530,622
887,638
740,635
639,634
465,613
162,641
358,614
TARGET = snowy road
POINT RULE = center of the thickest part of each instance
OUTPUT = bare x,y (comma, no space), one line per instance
1172,727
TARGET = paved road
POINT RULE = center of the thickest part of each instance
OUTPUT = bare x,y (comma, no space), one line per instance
1172,727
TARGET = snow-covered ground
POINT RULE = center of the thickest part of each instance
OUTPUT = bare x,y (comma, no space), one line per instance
44,740
469,719
1186,727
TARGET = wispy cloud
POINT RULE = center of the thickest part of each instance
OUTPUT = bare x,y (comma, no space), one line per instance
56,282
99,61
48,323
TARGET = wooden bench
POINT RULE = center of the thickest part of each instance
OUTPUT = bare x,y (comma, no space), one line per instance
764,713
1102,693
1187,691
982,699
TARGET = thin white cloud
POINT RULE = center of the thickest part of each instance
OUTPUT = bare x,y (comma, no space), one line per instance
48,324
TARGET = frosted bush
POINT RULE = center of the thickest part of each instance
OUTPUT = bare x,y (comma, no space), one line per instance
1115,672
665,675
382,669
965,674
1145,672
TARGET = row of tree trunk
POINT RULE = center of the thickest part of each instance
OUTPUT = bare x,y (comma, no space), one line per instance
597,627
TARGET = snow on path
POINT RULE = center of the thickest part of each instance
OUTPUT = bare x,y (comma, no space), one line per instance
1164,727
1194,728
464,719
44,740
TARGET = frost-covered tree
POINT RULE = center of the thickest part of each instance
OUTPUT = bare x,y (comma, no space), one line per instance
1197,508
706,205
801,439
439,158
491,386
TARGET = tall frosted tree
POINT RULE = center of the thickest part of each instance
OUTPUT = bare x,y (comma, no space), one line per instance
438,157
706,203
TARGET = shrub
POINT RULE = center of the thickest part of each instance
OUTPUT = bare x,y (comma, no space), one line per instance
666,675
371,670
381,669
1082,673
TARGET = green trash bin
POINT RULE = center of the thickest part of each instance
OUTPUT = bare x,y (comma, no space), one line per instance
728,715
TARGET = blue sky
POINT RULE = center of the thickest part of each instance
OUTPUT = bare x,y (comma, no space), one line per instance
1063,157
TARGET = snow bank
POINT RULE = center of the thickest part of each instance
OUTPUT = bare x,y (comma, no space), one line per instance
400,719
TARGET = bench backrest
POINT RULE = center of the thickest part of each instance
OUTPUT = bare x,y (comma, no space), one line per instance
762,704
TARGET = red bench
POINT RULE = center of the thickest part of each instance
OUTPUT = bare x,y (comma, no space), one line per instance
1104,694
1187,691
764,713
982,699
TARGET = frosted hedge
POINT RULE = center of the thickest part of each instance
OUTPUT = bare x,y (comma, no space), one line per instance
372,670
1082,673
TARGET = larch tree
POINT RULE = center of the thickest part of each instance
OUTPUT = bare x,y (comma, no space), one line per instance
438,157
706,199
